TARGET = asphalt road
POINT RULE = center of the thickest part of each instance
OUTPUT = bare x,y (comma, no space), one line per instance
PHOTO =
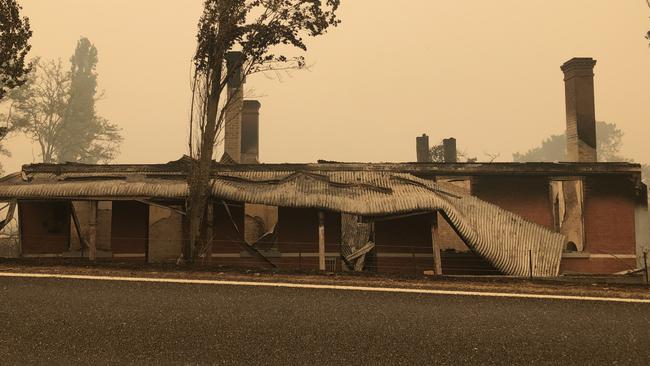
56,321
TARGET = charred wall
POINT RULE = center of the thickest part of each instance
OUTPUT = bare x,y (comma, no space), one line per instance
609,216
129,230
403,245
45,227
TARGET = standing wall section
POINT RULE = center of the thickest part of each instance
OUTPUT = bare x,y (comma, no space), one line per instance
129,230
165,234
403,245
610,241
297,241
526,196
45,227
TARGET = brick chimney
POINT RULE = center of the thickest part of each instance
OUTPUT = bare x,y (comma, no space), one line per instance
580,109
233,116
422,148
250,127
449,148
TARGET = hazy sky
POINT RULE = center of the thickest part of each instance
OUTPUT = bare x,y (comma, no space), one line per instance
485,72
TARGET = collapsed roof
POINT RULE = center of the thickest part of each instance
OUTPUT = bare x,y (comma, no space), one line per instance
506,240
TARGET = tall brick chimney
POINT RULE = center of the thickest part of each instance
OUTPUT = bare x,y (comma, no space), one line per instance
422,148
449,148
233,118
250,136
580,109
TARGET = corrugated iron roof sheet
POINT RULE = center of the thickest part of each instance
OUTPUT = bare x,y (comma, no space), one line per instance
503,238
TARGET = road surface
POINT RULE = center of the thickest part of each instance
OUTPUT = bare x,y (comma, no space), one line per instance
65,321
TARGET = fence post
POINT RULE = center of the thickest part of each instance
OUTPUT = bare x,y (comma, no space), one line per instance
300,259
321,240
530,263
645,265
415,265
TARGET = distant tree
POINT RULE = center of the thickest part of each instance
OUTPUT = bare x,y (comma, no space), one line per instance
553,148
647,35
609,143
14,37
56,109
14,46
7,127
85,137
39,106
437,155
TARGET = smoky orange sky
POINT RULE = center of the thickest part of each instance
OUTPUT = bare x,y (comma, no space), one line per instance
485,72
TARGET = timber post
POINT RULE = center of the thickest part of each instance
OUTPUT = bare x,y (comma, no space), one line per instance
645,265
92,232
321,240
435,243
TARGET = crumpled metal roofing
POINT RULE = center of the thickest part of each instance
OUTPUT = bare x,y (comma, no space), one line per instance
504,239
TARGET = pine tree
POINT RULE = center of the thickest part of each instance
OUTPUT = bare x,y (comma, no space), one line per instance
86,137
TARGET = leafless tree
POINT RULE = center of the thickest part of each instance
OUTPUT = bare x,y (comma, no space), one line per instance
40,104
647,36
255,27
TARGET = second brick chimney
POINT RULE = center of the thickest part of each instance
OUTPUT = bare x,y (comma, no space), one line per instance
449,148
233,115
580,109
422,148
250,132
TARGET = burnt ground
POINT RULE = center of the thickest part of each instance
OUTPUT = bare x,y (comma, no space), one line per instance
611,286
67,321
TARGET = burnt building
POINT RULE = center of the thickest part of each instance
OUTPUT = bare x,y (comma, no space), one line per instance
521,219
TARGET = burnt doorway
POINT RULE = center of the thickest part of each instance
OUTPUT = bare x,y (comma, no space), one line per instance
130,230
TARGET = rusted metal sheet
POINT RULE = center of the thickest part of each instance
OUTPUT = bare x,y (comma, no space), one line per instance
91,188
508,241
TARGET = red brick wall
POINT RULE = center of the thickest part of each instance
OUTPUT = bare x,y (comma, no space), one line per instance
609,215
404,236
45,227
596,265
528,197
298,230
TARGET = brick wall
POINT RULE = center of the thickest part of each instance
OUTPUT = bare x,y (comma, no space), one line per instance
609,215
596,265
45,227
403,245
129,230
298,230
526,196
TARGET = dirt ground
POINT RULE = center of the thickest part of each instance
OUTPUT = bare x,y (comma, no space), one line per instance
620,287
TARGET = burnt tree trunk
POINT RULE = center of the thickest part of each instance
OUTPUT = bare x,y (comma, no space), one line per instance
200,171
